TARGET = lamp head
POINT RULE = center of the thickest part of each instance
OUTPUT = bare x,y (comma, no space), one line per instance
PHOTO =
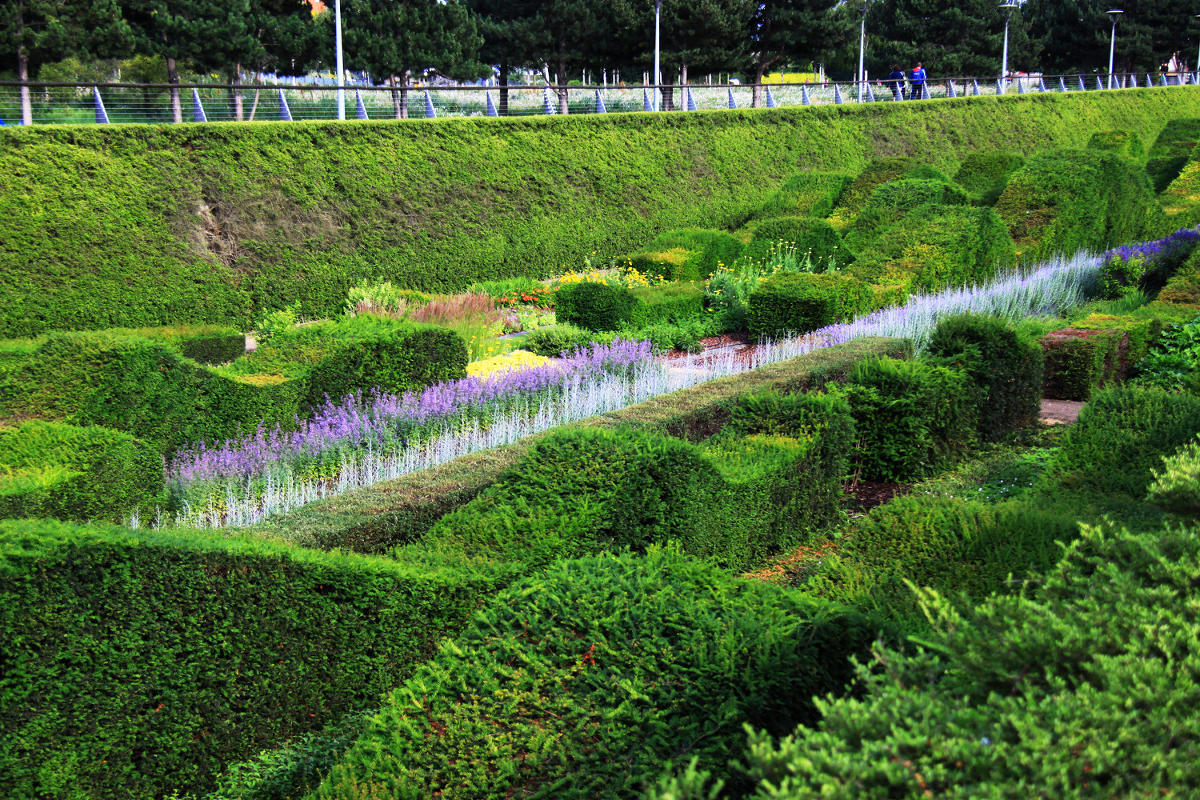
1114,14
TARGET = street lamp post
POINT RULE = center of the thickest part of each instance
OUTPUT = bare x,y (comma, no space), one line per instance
1198,52
1008,9
1112,44
657,51
862,49
341,74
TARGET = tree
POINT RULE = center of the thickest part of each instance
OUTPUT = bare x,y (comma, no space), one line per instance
43,31
705,36
1076,34
786,30
393,40
510,32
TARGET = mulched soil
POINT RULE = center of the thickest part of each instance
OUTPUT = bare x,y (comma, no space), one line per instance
1060,412
866,495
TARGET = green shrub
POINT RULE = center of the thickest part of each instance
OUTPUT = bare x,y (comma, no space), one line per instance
814,239
683,336
554,340
586,681
144,388
911,417
974,710
1181,199
936,247
1064,201
890,204
1170,151
584,490
798,303
593,306
944,543
809,194
984,175
1123,143
1098,350
689,254
1175,357
1183,287
1176,486
69,472
1122,434
1005,367
878,171
673,303
141,663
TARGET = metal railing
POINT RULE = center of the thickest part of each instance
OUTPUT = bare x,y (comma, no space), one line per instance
73,103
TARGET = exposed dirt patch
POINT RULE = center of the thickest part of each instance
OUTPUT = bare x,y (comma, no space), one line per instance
792,561
865,495
1060,412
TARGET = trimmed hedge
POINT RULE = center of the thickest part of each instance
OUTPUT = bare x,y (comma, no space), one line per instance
241,219
911,417
601,307
377,518
1006,368
690,254
1123,143
138,664
890,204
815,238
1170,151
984,175
1064,201
936,247
878,171
809,194
69,472
803,302
1079,686
585,490
1181,199
1122,435
1099,350
1176,486
588,680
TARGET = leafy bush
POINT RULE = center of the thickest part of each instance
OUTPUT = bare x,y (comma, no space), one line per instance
1121,436
383,297
68,472
142,663
589,679
1174,358
276,322
1181,199
1183,287
937,247
911,417
813,239
799,303
985,174
555,340
1064,201
1176,486
809,194
1005,367
689,254
1123,143
972,712
593,306
1146,266
878,171
1078,361
890,204
1170,151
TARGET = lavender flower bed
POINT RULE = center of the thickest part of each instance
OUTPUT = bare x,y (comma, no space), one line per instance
1127,267
365,440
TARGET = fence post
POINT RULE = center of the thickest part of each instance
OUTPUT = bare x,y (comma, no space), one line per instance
101,114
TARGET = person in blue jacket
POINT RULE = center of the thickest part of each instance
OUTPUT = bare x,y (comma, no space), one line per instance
896,82
917,82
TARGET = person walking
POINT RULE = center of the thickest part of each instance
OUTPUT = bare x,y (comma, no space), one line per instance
917,82
896,82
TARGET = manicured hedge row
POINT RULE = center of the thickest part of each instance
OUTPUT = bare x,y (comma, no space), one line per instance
890,204
792,303
809,194
1171,149
691,254
984,175
396,512
589,679
239,219
813,238
137,664
1077,687
68,472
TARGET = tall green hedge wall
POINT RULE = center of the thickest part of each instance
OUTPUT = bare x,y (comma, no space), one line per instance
137,225
136,664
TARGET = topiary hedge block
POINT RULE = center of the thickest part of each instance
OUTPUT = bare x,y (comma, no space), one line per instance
80,473
891,203
1123,143
593,306
139,664
1171,150
984,175
1080,360
802,302
809,194
689,254
813,239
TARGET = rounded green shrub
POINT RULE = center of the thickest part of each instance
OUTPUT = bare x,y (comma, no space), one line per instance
1123,143
689,254
593,306
891,203
803,302
555,340
809,194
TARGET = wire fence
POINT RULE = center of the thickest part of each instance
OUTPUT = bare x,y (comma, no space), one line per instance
70,103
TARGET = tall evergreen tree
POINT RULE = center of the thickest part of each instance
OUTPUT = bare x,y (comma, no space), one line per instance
703,36
510,30
787,30
37,32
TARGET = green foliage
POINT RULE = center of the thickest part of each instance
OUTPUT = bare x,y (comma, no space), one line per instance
684,336
1064,201
554,340
276,322
1170,151
1122,434
690,254
142,663
1183,288
1175,357
1006,368
673,303
984,175
890,204
1123,143
809,194
385,297
587,680
936,247
945,543
879,170
593,306
798,303
1176,487
974,711
69,472
912,417
261,216
813,239
1181,199
1077,361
